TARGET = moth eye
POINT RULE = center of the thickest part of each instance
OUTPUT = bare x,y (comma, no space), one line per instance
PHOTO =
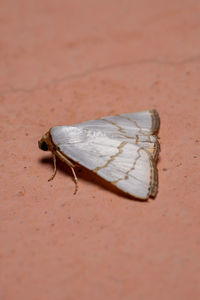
44,146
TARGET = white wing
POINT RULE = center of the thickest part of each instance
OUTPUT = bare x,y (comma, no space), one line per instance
121,149
139,128
144,122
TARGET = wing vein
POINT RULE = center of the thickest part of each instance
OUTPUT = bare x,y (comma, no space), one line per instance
131,169
120,150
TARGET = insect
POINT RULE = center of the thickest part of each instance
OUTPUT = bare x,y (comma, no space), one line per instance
122,149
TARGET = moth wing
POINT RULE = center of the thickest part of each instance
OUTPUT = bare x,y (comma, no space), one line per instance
138,128
141,123
147,121
126,165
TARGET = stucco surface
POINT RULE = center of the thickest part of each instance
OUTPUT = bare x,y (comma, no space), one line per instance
64,62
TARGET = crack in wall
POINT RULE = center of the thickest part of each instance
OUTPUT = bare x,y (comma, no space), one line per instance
90,71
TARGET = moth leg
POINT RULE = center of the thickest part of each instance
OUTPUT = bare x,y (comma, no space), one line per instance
75,180
71,165
55,169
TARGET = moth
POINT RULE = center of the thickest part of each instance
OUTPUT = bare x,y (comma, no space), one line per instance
122,149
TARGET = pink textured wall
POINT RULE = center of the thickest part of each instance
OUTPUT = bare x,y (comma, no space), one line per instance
64,62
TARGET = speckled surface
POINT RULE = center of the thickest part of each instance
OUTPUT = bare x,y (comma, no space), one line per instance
64,62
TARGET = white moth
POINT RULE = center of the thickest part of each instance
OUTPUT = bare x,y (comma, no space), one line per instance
122,149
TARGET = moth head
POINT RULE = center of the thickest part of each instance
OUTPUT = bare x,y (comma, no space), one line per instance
45,143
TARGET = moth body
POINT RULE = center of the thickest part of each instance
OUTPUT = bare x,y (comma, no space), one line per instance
122,149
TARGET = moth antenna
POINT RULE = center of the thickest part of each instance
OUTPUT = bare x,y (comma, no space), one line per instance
55,169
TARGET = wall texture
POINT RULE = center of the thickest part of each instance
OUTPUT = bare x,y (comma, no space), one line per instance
65,62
